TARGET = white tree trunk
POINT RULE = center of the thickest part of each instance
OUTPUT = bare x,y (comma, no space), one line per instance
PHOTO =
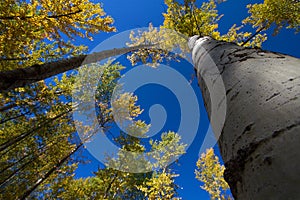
260,140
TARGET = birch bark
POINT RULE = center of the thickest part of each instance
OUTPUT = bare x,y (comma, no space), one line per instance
260,139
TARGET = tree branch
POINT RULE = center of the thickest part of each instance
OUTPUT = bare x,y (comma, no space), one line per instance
65,15
2,121
13,59
252,36
28,17
7,107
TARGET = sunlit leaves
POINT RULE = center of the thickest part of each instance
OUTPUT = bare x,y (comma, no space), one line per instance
235,35
25,26
190,20
167,45
125,108
138,128
167,150
106,184
183,20
180,22
210,173
160,186
281,13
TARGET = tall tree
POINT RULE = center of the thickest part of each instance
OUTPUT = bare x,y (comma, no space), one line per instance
21,77
36,38
259,139
259,142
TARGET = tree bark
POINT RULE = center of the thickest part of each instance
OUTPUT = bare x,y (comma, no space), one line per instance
260,139
24,76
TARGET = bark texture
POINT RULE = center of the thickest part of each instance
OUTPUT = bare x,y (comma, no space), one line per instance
24,76
260,139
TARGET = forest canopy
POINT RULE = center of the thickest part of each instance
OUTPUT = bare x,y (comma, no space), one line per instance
39,144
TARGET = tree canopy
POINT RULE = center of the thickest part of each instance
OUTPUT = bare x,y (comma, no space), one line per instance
39,145
37,31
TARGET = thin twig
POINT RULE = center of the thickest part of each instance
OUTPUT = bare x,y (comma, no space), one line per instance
251,37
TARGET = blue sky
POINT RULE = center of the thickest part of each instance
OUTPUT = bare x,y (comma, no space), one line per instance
132,14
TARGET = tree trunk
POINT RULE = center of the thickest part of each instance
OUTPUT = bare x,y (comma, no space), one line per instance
260,139
28,192
24,76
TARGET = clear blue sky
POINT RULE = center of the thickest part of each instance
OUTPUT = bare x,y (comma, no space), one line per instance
131,14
